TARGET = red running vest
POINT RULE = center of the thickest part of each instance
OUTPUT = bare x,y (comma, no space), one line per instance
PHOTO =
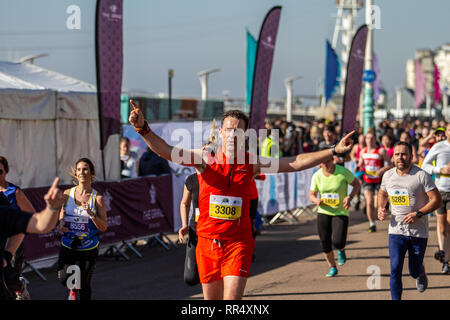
224,200
372,162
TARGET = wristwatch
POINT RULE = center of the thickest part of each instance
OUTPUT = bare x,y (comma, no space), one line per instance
333,150
52,209
420,214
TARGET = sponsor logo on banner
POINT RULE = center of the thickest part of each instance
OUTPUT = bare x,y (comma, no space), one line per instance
268,43
108,199
112,15
151,214
152,194
114,221
358,54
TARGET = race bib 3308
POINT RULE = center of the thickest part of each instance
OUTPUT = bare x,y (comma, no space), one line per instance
225,207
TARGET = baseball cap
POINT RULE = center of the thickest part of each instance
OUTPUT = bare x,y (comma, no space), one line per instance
439,129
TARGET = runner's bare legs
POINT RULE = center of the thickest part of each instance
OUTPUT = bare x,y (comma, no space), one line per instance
234,287
230,288
213,290
370,205
330,259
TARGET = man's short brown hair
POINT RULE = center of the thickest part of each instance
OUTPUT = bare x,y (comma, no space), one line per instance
237,114
406,144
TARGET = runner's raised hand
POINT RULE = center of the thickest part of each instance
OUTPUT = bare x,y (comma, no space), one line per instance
136,117
345,144
54,197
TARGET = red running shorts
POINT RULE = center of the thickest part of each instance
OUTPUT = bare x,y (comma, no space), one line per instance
219,258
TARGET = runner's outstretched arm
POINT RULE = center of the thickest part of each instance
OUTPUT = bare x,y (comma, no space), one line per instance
159,146
303,161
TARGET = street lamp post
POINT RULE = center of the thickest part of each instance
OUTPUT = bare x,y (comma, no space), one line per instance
203,77
288,83
170,93
368,102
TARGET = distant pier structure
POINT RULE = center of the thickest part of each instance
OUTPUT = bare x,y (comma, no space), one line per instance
345,28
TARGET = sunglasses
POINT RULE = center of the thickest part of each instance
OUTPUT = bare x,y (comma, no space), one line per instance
1,171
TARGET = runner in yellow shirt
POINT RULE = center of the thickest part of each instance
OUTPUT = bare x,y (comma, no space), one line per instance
332,181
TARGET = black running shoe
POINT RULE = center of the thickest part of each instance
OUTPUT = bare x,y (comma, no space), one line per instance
439,255
422,282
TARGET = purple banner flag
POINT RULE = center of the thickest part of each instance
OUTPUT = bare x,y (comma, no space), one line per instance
353,82
436,87
263,67
109,62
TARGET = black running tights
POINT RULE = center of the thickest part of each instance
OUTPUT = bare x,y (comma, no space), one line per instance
85,260
332,231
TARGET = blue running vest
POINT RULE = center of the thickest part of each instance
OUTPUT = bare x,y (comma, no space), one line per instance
79,223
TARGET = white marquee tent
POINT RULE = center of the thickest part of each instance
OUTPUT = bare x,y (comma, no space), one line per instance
47,122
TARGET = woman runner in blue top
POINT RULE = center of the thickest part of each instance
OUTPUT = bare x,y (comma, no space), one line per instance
81,218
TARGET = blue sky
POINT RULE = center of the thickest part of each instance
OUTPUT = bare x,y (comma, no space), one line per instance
192,35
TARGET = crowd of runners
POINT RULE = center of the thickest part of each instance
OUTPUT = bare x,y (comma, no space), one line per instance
399,169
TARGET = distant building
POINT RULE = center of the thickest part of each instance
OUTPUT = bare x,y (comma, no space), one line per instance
439,56
410,74
426,58
442,60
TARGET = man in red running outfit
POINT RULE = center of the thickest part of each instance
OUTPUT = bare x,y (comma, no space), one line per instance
376,162
225,243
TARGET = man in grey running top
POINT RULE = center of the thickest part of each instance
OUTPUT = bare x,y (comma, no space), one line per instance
412,195
440,153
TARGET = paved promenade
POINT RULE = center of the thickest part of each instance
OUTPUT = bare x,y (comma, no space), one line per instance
289,266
